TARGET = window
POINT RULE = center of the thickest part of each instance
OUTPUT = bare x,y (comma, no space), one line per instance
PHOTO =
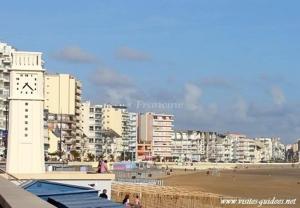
91,128
26,116
26,122
26,103
26,128
26,135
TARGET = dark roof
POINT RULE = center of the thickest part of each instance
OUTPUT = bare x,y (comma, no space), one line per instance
68,196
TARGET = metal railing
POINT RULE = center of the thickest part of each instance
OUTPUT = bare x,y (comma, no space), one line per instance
11,177
158,182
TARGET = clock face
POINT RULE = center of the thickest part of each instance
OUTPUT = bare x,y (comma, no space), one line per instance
26,83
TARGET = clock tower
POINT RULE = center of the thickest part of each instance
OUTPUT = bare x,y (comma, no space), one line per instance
25,152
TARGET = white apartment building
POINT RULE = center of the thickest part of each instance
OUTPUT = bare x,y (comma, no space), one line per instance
131,147
91,124
155,136
271,149
224,148
243,149
110,130
266,150
189,145
5,64
194,145
213,147
278,150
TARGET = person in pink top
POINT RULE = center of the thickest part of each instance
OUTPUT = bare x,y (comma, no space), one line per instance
103,167
99,166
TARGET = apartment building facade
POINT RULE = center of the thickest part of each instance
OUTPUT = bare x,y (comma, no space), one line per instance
131,145
116,118
155,136
231,147
63,103
91,124
192,145
5,64
243,148
111,130
271,149
293,152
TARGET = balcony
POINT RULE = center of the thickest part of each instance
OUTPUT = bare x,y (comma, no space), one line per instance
7,60
167,124
162,130
78,98
78,91
77,111
78,85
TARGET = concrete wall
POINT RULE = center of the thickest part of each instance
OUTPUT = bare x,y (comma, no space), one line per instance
53,142
112,118
60,94
12,196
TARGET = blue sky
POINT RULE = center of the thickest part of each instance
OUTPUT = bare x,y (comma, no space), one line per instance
232,64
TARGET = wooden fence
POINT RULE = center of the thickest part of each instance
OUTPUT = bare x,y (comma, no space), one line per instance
152,196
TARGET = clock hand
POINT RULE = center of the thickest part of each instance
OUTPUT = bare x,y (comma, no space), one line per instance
25,85
29,86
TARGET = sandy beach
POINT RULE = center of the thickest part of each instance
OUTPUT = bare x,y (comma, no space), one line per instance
246,183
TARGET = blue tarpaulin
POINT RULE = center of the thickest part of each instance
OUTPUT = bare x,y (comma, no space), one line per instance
69,196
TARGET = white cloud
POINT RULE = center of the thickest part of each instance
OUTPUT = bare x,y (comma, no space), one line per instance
110,78
278,95
132,54
115,87
75,54
241,109
120,96
192,97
